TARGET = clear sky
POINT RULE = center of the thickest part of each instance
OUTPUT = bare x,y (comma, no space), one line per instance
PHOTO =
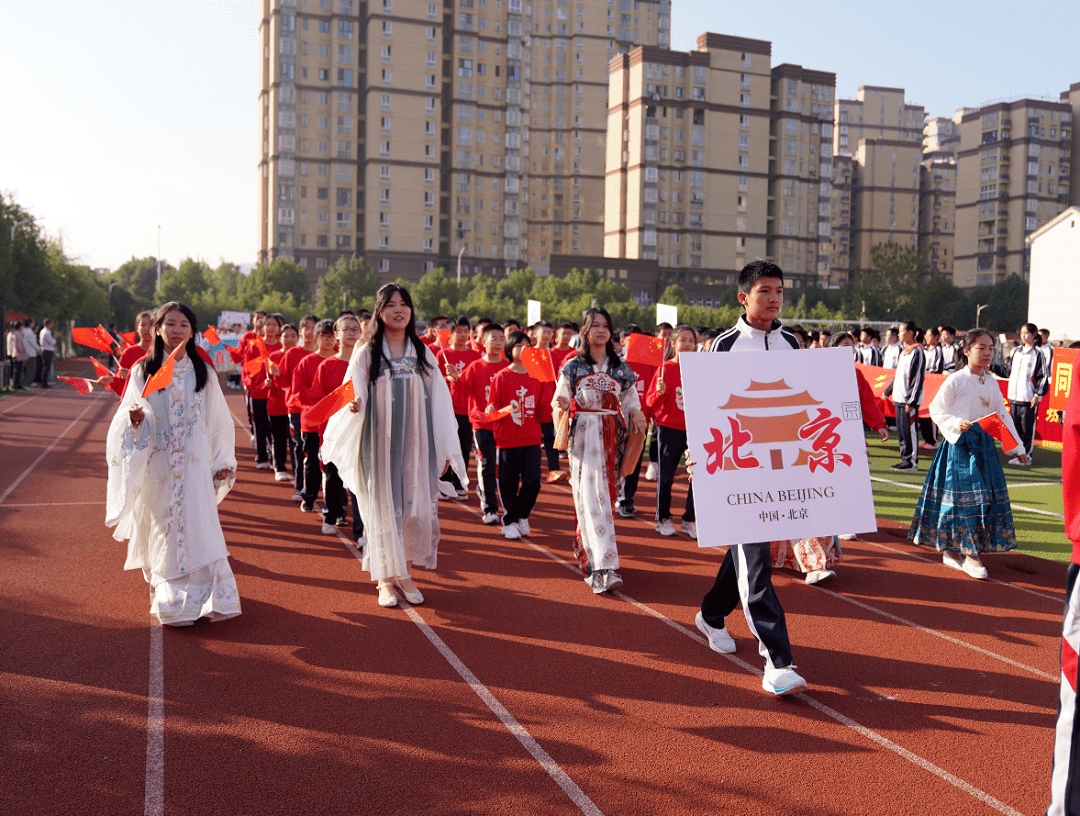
121,115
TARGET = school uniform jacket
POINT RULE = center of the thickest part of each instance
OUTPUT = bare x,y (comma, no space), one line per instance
744,337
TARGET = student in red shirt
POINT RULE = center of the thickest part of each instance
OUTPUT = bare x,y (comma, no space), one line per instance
477,341
330,375
289,361
541,334
665,400
517,437
476,381
645,374
258,319
562,348
144,325
303,378
458,357
276,408
258,388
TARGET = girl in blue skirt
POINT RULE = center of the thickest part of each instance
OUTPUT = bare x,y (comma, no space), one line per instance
964,509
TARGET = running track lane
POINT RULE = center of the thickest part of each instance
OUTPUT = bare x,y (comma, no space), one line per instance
316,697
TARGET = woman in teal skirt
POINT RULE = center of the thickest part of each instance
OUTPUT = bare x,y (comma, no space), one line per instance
964,508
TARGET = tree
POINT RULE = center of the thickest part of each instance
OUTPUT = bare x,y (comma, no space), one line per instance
673,295
941,302
1008,305
139,276
892,280
185,284
436,293
350,284
279,277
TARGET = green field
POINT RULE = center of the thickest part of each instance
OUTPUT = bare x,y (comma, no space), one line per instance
1034,488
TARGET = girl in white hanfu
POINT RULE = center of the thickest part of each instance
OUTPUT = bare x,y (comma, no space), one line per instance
393,443
597,397
171,461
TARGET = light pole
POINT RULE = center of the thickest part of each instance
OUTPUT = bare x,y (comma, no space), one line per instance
3,287
158,257
978,311
460,253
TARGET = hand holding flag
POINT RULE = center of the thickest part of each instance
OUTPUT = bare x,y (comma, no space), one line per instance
996,427
163,376
329,405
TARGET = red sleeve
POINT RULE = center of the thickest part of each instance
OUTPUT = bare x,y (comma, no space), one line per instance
870,413
653,400
1070,469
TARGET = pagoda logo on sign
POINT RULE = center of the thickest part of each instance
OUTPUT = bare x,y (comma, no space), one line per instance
771,425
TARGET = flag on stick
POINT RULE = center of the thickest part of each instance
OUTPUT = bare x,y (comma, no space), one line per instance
131,338
329,405
640,348
80,384
538,363
211,336
163,376
90,338
501,413
996,427
100,369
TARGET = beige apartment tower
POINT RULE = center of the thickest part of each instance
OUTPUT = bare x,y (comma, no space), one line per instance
416,133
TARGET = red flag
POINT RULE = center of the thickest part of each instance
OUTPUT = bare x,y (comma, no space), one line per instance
80,384
163,376
538,363
91,339
996,427
444,338
640,348
253,367
131,338
329,405
501,413
931,385
211,336
103,333
100,369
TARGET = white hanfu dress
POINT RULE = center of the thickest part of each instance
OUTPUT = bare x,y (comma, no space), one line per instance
391,454
162,498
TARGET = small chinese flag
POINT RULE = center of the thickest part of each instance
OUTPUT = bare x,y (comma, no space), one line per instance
211,336
91,339
329,405
640,348
80,384
996,427
131,338
100,369
163,376
107,338
501,413
253,367
538,363
444,338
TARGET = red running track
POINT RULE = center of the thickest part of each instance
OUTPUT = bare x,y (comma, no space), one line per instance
513,689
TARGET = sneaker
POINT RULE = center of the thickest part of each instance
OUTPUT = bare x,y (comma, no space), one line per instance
306,506
903,466
490,518
820,576
557,476
298,496
281,476
719,639
626,510
928,446
262,465
361,542
782,681
511,531
651,472
523,526
328,529
612,581
462,494
848,537
342,521
1015,460
690,528
665,527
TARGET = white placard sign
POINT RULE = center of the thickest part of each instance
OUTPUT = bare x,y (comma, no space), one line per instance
667,314
229,318
533,313
778,443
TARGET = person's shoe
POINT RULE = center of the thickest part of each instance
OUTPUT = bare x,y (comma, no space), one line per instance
782,681
626,510
409,590
651,472
387,596
342,521
690,528
719,639
848,537
596,582
297,496
612,581
665,527
282,476
523,526
820,576
974,568
951,559
903,466
557,476
361,542
262,465
306,506
328,529
490,518
511,530
462,494
928,446
1015,460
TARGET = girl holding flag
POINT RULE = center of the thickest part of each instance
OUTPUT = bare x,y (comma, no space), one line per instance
964,505
256,367
171,461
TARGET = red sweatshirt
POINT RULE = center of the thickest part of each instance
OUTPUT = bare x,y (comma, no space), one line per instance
1070,470
303,386
257,381
522,394
667,410
559,356
871,414
476,380
459,360
288,364
275,403
330,375
644,380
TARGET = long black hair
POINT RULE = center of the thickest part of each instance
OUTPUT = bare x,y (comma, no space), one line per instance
586,324
969,340
375,342
154,360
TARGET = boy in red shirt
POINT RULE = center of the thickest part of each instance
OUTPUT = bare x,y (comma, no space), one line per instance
517,437
276,408
645,374
307,344
303,381
459,357
260,349
476,382
665,400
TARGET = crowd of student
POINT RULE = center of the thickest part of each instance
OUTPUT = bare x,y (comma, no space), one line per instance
31,353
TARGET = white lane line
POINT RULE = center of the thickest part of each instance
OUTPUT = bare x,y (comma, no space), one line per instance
1014,505
55,504
553,769
154,802
45,452
843,719
1032,484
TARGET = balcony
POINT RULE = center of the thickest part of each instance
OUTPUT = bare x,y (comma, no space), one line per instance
1005,158
1003,231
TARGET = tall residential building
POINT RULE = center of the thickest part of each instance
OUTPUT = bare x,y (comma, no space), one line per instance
713,160
840,216
937,210
940,134
418,133
1015,166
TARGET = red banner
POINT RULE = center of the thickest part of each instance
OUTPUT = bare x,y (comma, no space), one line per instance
329,405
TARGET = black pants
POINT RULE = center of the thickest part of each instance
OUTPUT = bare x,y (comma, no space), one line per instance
519,481
672,445
465,439
45,367
296,441
904,420
31,374
312,472
279,432
929,430
487,485
17,369
547,429
336,495
250,412
262,430
630,482
654,454
1024,418
357,522
746,575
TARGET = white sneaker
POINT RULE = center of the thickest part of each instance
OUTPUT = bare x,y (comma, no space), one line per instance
848,537
719,639
612,581
361,543
328,529
462,494
523,526
782,681
820,576
665,527
282,476
1015,460
262,465
651,472
511,530
690,528
490,518
297,496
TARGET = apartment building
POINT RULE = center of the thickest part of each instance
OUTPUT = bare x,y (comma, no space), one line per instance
940,134
843,171
1014,176
420,134
937,210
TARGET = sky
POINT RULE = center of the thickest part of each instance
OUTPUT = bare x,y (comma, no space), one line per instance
123,116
